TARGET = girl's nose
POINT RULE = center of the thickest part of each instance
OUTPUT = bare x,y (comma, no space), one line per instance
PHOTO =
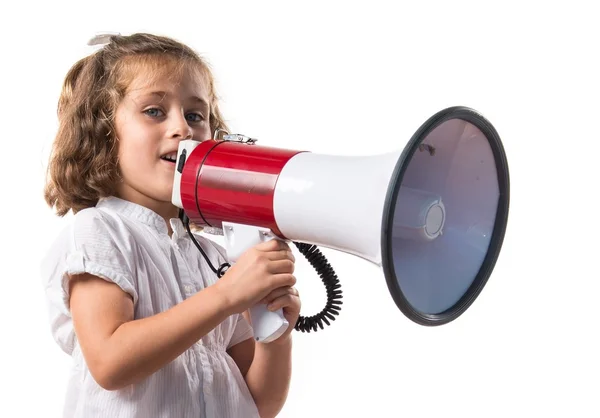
181,129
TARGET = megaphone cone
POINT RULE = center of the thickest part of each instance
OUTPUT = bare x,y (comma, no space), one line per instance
432,216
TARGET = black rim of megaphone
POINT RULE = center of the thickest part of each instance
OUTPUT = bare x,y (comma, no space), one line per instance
471,116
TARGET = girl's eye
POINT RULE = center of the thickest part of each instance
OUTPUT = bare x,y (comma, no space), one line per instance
194,117
153,112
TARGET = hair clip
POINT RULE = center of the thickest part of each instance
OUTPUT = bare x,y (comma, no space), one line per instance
102,38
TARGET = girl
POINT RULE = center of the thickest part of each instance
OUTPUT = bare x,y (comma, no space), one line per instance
151,330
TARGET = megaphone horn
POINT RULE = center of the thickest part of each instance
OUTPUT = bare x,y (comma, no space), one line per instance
432,216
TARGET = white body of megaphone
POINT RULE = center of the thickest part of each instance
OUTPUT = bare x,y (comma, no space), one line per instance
432,215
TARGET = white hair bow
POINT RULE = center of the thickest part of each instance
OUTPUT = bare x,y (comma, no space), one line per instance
102,38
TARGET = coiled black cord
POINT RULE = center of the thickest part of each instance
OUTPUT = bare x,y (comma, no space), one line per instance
332,285
319,263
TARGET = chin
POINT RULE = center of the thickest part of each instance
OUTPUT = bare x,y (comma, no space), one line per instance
165,199
166,204
163,196
166,192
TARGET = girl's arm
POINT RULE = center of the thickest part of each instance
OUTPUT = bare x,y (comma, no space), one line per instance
267,368
119,350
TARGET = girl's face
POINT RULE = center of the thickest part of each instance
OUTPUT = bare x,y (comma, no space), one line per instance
150,122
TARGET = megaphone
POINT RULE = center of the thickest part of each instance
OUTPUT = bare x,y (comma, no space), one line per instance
432,216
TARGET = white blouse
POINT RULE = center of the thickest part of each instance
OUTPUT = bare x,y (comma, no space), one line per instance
128,244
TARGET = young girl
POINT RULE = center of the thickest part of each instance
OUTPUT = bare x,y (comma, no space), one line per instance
152,331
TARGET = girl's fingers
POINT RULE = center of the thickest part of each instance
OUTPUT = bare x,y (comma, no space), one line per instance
281,266
282,302
288,290
281,255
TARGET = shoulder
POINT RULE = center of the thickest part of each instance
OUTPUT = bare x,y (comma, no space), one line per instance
92,236
85,223
102,228
89,243
96,220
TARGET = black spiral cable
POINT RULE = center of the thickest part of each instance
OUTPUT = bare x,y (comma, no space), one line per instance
332,285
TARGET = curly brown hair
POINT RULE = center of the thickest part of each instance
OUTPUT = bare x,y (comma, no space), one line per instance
83,165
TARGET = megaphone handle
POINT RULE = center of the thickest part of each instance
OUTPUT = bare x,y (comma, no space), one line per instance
267,325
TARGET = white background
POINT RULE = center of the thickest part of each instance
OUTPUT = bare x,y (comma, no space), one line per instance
356,78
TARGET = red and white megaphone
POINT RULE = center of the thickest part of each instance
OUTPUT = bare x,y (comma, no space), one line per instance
433,215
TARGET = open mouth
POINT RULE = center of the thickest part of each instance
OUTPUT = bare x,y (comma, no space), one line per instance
171,157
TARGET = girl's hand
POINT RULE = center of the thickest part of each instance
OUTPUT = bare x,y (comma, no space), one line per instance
287,298
258,272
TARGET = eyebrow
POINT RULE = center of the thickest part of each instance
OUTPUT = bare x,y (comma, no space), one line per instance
163,94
